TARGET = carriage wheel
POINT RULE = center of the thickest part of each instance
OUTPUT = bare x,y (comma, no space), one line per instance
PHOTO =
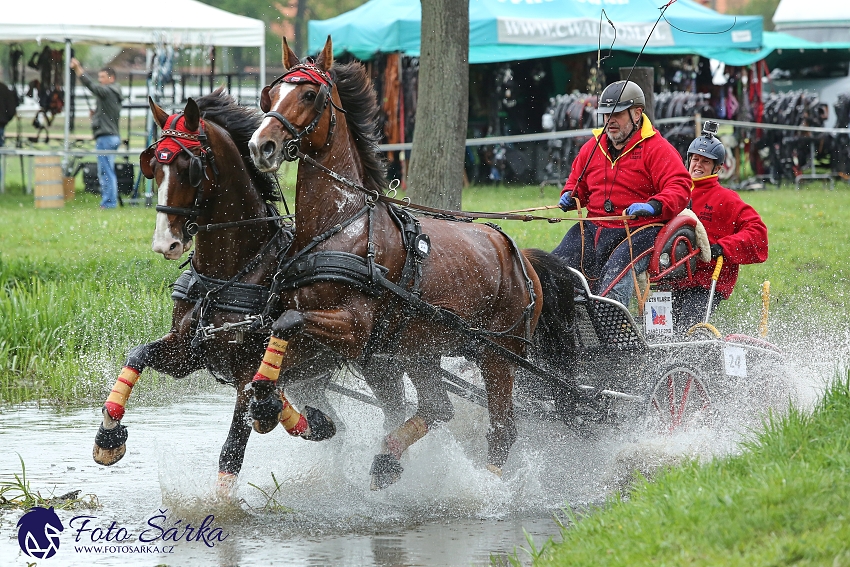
678,399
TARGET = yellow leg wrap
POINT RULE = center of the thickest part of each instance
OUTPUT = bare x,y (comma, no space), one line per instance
270,367
406,435
293,421
117,399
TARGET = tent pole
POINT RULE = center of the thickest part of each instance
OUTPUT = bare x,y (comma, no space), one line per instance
66,165
262,69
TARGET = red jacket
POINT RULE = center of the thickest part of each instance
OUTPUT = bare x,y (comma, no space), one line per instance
732,224
648,168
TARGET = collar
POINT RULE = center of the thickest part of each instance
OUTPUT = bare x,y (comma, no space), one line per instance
696,179
646,131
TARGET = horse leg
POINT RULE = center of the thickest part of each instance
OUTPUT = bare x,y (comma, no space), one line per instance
434,407
306,384
499,381
233,451
270,406
383,375
111,438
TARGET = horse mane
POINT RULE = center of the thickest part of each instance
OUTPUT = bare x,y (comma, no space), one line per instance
240,122
361,112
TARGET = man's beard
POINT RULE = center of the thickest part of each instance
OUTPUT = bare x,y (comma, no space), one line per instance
623,135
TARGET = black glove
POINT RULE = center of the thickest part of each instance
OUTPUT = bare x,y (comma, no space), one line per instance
651,208
716,250
567,203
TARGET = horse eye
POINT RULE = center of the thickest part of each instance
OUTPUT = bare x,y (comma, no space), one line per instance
309,96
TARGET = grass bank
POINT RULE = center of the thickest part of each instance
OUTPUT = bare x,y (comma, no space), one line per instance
785,500
80,284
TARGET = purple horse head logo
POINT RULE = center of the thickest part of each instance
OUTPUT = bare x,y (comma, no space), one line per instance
38,532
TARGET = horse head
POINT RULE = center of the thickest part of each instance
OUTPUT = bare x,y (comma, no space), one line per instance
299,108
179,161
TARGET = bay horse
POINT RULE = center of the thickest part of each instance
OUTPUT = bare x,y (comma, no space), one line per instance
368,277
211,193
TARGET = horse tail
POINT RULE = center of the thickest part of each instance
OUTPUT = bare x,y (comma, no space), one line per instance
554,337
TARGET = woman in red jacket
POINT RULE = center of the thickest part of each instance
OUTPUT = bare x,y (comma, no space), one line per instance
629,169
735,231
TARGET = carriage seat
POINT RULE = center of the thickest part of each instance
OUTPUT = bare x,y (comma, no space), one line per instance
677,247
603,323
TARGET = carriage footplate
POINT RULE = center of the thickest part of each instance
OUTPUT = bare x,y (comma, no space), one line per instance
581,414
385,471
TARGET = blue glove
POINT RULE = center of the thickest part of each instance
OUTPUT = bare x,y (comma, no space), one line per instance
640,210
567,203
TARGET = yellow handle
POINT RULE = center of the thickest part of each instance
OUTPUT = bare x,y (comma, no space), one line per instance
717,268
765,304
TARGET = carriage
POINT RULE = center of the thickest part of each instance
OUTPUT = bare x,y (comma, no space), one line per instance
637,373
361,277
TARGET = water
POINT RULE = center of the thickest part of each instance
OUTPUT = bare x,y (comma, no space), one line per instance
446,509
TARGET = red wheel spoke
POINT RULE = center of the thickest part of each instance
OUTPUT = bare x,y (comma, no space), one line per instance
674,411
685,393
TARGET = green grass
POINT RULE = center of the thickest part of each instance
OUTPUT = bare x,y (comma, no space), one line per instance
16,493
784,501
80,284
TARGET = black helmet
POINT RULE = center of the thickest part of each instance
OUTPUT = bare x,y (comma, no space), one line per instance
620,96
708,145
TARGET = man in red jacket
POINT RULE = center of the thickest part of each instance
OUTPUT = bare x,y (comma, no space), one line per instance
630,169
735,231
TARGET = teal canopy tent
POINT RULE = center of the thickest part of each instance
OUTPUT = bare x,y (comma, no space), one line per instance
511,30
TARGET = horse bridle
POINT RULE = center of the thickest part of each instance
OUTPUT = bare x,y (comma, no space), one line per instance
197,175
292,147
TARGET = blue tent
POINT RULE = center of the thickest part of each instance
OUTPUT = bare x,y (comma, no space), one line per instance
510,30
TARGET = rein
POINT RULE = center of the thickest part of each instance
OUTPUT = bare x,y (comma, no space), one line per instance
470,215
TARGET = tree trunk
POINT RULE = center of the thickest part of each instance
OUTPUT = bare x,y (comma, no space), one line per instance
299,28
435,177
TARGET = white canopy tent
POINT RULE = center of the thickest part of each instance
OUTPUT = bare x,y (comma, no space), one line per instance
820,21
122,22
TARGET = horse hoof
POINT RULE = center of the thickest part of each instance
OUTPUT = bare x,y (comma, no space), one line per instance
385,471
264,426
495,470
108,457
266,413
321,426
225,487
109,445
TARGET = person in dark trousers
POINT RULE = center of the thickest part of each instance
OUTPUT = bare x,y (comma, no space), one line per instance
735,231
104,125
8,108
627,168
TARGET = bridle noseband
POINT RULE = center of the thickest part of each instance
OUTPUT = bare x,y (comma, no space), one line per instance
197,172
305,73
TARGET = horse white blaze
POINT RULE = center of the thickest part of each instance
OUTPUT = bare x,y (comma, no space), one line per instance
283,92
165,242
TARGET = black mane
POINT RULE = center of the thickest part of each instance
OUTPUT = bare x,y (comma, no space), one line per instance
240,122
361,112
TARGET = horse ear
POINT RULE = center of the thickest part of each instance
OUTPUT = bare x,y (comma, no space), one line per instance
159,115
290,60
191,115
266,99
325,60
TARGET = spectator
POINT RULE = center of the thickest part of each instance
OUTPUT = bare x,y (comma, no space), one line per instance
626,168
8,109
735,231
104,124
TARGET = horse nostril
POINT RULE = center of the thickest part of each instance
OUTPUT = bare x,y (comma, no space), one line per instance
172,247
269,149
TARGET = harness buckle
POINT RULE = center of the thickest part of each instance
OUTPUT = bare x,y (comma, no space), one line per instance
291,149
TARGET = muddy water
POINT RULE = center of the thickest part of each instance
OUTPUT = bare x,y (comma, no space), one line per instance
445,510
